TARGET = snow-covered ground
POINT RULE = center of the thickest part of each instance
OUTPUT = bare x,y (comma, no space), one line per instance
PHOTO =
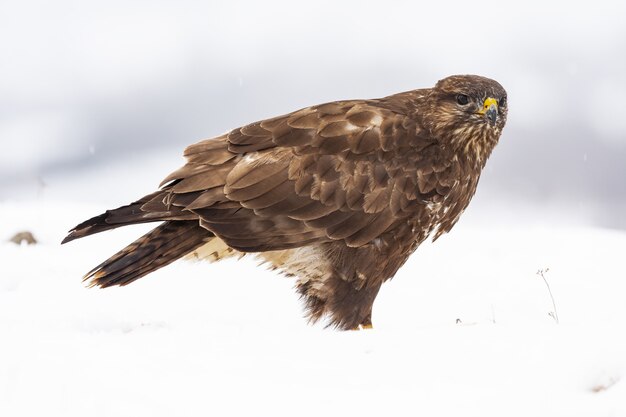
463,330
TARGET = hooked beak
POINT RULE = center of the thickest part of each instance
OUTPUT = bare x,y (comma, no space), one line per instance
490,110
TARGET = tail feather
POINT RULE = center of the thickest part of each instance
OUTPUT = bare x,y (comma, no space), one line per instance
129,214
160,247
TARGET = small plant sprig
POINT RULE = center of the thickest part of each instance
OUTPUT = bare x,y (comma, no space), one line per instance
542,273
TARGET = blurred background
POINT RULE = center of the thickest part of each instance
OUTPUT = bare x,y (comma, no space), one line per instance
99,99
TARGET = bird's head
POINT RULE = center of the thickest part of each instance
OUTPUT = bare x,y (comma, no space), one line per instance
468,112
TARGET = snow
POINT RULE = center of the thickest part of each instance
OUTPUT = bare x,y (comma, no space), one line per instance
463,329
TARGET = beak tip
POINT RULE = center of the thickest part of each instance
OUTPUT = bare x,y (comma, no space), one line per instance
492,114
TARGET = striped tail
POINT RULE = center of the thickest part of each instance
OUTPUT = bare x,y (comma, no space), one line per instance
160,247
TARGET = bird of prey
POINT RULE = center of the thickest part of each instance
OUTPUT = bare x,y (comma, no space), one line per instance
337,195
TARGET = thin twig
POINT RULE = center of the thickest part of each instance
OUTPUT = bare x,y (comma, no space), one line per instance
553,314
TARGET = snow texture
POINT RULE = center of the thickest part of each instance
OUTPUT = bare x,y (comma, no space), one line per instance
462,330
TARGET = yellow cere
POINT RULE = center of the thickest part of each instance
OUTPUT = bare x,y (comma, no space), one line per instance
488,103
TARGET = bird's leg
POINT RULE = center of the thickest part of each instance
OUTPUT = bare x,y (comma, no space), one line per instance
362,327
342,294
367,322
348,307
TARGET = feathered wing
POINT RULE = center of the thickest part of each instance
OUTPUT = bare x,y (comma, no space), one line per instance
338,171
343,171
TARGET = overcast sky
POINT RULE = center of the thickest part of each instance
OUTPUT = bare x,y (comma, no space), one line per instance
83,83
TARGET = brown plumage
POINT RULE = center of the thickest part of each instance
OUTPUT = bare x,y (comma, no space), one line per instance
337,195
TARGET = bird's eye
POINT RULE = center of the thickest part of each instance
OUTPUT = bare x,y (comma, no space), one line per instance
462,99
502,102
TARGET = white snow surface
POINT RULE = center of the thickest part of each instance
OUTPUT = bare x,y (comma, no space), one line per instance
462,330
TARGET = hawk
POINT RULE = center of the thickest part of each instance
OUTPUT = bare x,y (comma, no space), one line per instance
337,195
